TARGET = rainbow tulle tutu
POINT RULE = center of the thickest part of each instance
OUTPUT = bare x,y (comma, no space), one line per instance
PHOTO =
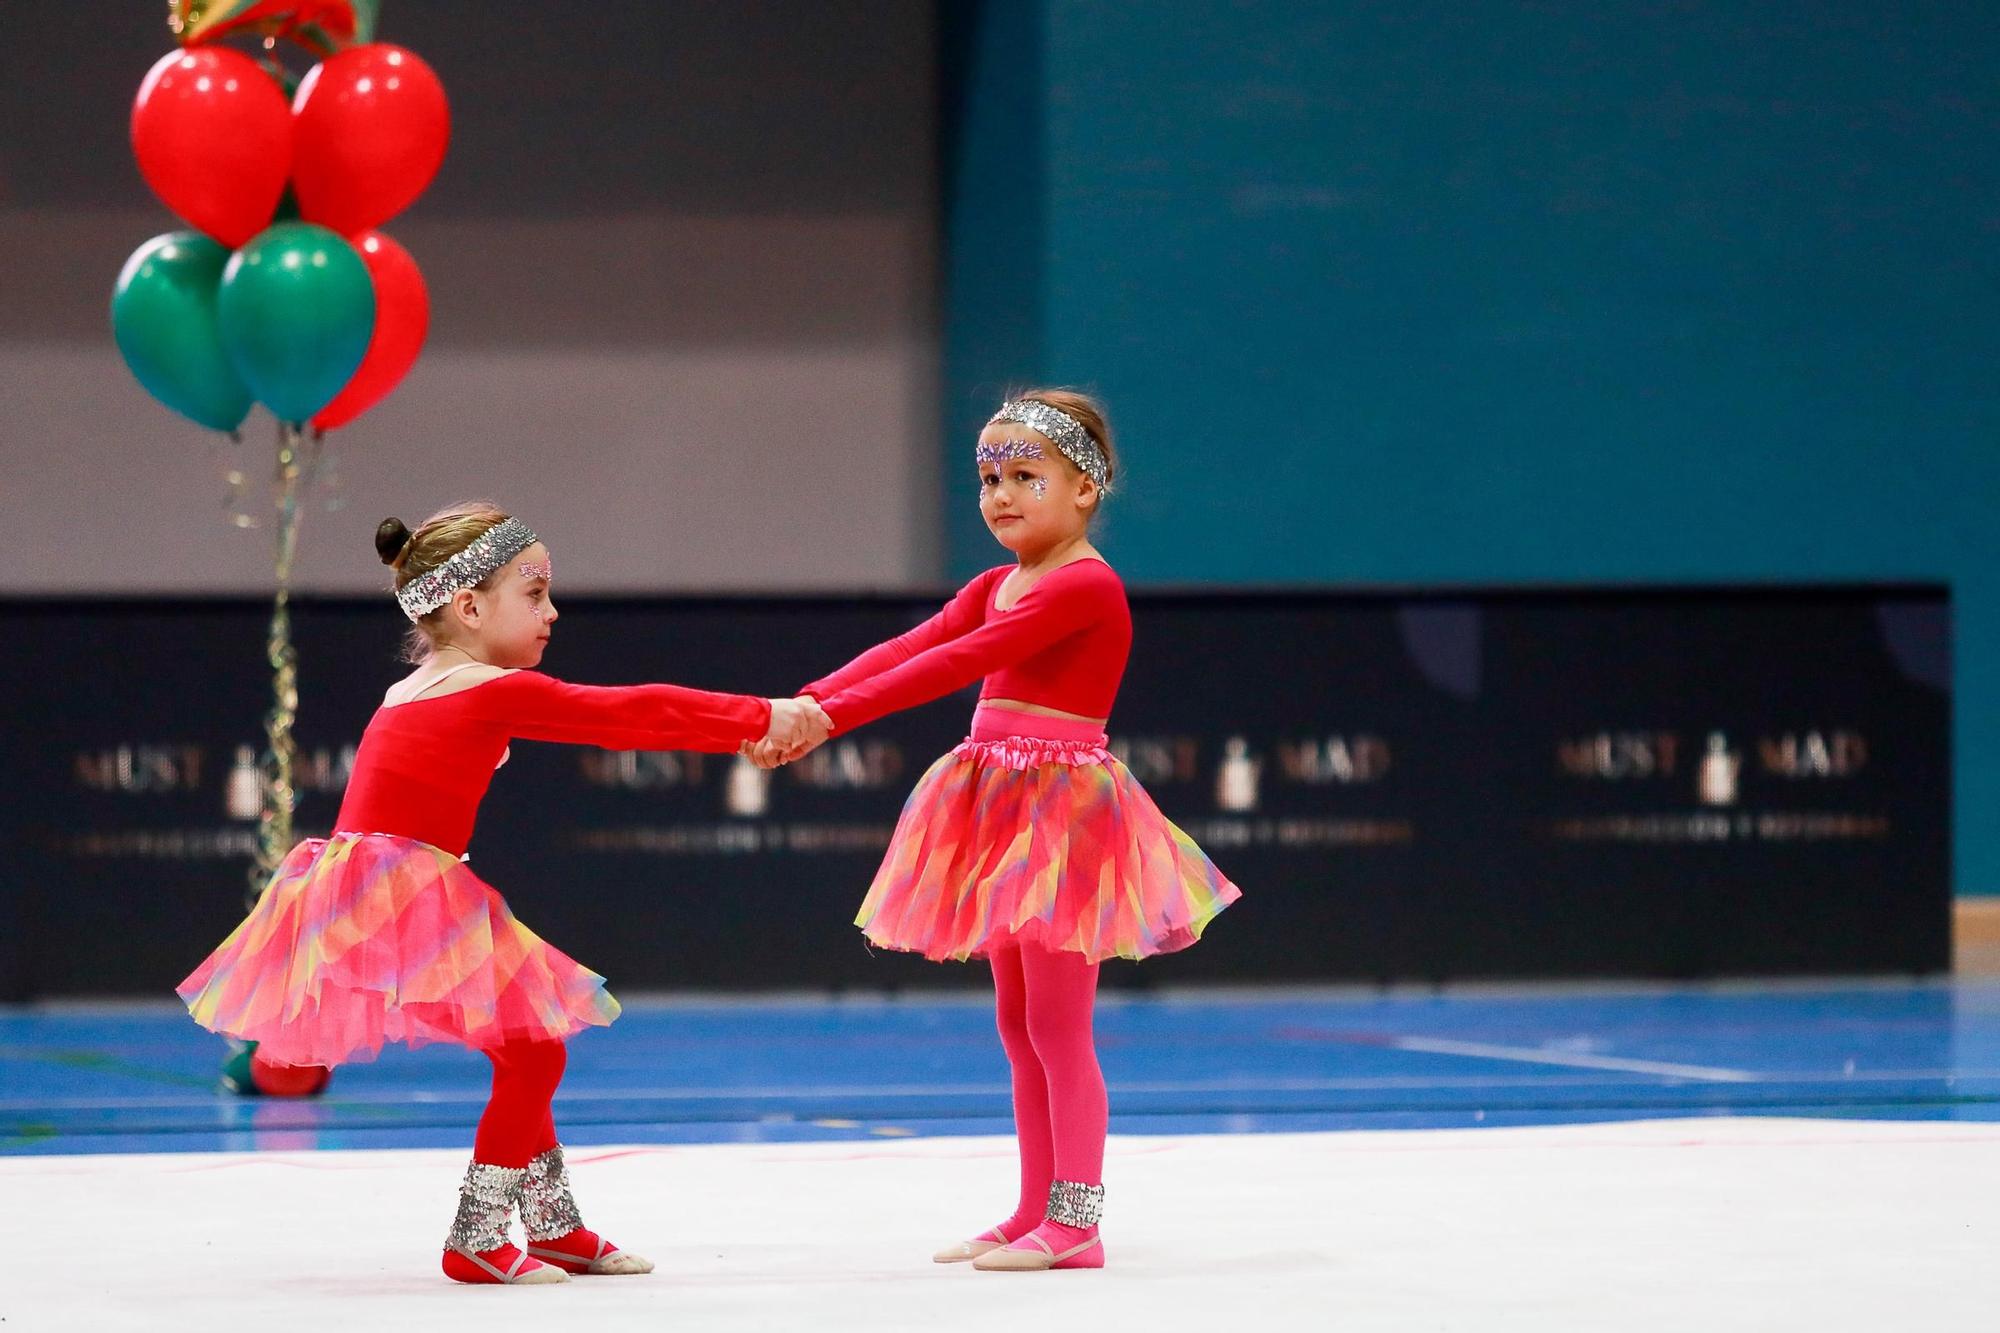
1032,832
364,939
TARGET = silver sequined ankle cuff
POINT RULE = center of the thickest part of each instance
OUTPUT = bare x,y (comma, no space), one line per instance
548,1209
485,1206
1075,1204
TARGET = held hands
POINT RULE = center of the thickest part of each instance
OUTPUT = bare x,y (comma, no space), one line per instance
798,726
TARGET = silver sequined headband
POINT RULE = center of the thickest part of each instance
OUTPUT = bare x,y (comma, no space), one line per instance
468,569
1065,431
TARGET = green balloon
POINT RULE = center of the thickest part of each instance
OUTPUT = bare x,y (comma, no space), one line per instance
163,317
296,309
236,1069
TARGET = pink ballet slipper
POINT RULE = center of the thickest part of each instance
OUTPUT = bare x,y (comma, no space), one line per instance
971,1249
1066,1239
1034,1253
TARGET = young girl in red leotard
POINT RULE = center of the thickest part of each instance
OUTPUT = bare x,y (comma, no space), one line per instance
381,932
1029,844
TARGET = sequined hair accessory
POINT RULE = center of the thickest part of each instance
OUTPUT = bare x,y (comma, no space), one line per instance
1063,430
468,569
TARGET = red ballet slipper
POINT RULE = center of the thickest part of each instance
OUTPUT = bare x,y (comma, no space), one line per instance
505,1266
585,1253
556,1233
476,1250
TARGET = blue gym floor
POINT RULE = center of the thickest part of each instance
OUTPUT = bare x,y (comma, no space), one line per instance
93,1080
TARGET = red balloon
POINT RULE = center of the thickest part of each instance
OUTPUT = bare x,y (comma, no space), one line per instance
402,317
276,1080
214,140
369,129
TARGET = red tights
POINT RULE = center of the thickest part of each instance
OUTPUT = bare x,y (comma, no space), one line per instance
518,1125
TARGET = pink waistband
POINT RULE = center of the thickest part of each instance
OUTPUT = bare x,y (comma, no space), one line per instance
394,837
997,724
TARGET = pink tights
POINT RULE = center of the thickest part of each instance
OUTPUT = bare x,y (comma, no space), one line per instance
1044,1002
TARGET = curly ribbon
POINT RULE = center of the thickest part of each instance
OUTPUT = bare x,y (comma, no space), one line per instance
298,458
320,26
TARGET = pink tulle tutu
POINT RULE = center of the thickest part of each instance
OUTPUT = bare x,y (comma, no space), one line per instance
364,939
1032,832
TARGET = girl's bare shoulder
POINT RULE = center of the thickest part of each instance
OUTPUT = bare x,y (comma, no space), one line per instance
429,683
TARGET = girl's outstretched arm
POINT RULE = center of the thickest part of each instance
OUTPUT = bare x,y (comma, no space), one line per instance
961,615
535,707
1063,602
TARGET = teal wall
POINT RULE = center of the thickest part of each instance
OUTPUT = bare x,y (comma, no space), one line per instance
1425,291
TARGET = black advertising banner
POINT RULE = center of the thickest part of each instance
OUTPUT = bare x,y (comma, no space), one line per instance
1564,783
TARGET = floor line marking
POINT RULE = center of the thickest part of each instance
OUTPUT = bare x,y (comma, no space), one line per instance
1576,1060
1356,1083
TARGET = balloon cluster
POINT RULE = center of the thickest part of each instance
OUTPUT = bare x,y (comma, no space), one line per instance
286,292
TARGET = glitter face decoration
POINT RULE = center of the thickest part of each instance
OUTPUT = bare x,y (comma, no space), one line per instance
1000,454
1007,449
545,570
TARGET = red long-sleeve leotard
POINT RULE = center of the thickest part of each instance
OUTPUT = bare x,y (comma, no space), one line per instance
1063,645
423,766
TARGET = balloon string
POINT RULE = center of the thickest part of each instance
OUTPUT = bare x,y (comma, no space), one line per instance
236,482
298,456
326,474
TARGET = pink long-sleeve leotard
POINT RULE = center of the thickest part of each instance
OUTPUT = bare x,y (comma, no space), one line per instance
423,766
1062,645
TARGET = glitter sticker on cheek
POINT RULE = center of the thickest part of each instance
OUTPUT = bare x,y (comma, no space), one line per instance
1040,486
